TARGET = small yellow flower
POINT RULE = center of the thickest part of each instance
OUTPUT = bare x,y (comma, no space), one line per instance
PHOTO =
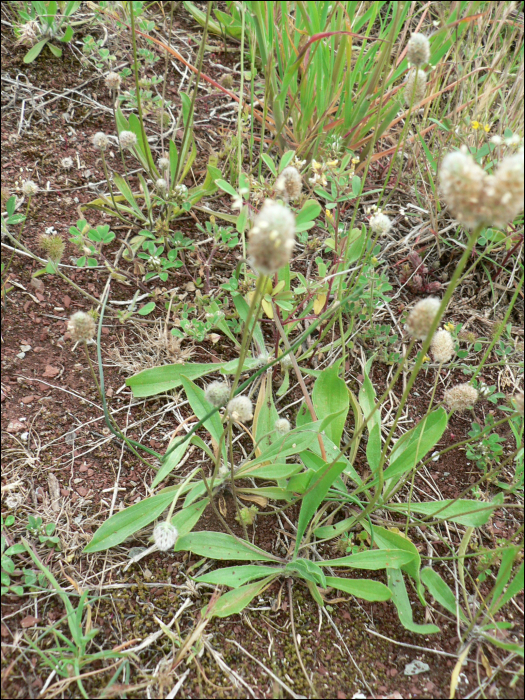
475,125
374,260
426,358
356,160
487,128
329,216
332,163
449,327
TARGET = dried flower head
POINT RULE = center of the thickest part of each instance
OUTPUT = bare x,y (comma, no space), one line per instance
127,139
100,141
226,81
81,327
282,426
415,86
28,33
53,246
287,362
180,193
66,163
505,190
272,238
418,50
518,400
422,316
442,346
163,163
161,184
29,188
262,358
460,397
113,81
240,409
165,535
380,223
217,393
289,183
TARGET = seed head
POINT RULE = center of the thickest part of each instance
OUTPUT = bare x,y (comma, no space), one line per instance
422,316
100,141
29,188
217,393
161,184
163,163
272,238
418,50
504,190
518,400
28,33
165,535
287,362
66,163
415,86
113,81
282,426
81,327
262,358
226,81
442,346
380,223
53,246
460,397
240,409
127,139
289,183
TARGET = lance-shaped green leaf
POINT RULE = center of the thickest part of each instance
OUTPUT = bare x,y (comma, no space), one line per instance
160,379
237,599
219,545
367,400
308,570
462,511
186,519
396,584
128,194
360,588
330,395
235,576
373,559
201,408
441,592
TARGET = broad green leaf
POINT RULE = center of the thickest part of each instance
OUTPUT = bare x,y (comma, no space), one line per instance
128,194
128,521
332,449
367,401
462,511
54,50
219,545
360,588
309,211
293,442
171,460
226,187
264,416
330,395
201,408
235,576
504,573
308,570
237,599
34,51
403,605
315,463
186,519
157,380
355,249
441,592
373,559
273,471
146,309
269,162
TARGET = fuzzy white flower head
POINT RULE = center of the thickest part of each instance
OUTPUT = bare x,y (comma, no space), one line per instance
289,183
240,409
217,393
415,86
422,316
418,50
100,141
262,358
163,163
66,163
127,139
165,535
442,346
161,184
505,190
462,183
460,397
29,188
272,238
282,426
380,223
287,362
81,327
113,81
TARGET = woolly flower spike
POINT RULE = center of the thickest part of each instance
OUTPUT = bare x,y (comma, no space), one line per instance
163,163
289,183
81,327
442,346
165,535
282,426
463,183
272,238
418,50
100,141
217,393
286,361
380,223
505,190
240,409
518,400
53,246
67,163
415,86
127,139
29,188
461,397
161,184
113,81
421,317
